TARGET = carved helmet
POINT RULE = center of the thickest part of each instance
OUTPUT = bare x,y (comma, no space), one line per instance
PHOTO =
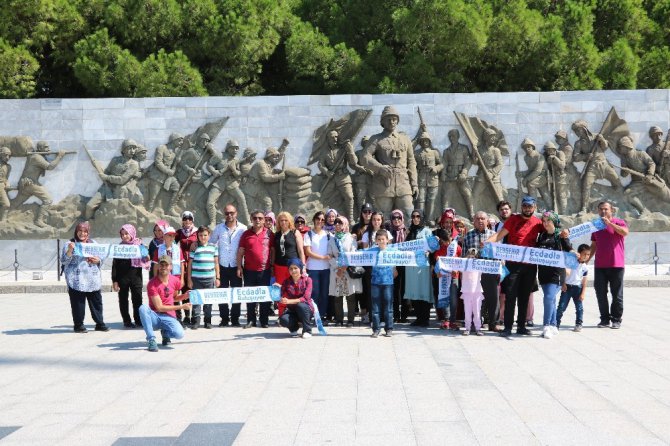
527,142
271,151
248,152
490,132
128,144
625,141
175,136
550,146
654,130
204,136
364,140
389,110
562,134
5,151
424,135
232,143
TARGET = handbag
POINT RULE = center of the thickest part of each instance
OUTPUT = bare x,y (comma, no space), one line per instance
355,272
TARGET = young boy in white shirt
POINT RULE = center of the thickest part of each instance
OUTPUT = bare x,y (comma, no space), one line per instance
575,288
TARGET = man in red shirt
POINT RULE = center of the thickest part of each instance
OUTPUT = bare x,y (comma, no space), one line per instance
256,249
521,230
163,291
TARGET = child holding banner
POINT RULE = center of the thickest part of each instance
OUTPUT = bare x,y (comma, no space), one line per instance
382,290
473,296
127,277
203,273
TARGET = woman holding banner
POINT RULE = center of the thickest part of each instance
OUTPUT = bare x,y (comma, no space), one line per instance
342,286
550,277
82,275
127,278
418,283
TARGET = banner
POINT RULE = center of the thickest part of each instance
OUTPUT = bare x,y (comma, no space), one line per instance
587,228
115,251
446,264
535,256
387,257
245,295
444,291
430,243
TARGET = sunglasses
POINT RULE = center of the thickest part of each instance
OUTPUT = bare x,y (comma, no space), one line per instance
416,216
187,218
300,222
338,222
367,212
258,218
395,217
230,213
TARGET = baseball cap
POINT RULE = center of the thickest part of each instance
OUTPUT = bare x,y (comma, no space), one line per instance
528,200
165,259
169,231
366,207
187,214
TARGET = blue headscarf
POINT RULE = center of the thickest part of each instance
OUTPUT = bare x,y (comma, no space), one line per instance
295,262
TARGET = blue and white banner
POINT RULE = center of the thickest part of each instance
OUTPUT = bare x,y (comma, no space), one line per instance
444,290
447,264
587,228
115,251
387,257
430,243
535,256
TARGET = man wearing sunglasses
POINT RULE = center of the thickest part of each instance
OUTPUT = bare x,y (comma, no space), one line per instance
255,256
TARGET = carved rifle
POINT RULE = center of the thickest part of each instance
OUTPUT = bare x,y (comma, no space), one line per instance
594,144
197,167
480,161
282,150
337,164
656,181
519,185
96,166
51,153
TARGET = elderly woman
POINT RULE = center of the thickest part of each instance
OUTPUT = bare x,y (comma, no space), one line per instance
82,275
341,284
418,283
288,245
296,296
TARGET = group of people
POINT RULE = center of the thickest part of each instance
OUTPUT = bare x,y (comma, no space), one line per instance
285,251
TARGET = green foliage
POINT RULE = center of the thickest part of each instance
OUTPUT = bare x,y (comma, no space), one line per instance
67,48
17,72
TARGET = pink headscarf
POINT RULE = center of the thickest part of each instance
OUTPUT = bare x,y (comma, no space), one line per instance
345,223
82,225
399,232
130,229
271,216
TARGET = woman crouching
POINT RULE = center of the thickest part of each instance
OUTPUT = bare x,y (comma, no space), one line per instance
296,294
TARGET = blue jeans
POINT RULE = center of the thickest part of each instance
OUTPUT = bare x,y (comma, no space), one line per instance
573,292
169,326
550,291
382,295
320,282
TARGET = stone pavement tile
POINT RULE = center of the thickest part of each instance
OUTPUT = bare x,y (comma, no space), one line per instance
6,430
385,439
452,432
221,434
434,409
495,423
94,434
615,427
335,411
334,391
144,441
265,438
313,433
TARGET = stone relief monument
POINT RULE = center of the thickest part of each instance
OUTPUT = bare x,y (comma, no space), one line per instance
187,172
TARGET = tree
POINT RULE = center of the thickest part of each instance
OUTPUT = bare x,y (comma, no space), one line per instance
619,66
654,69
17,72
169,74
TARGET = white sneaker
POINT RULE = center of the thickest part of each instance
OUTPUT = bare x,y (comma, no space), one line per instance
306,335
554,330
547,333
294,334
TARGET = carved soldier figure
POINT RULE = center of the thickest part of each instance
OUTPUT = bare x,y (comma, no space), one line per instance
493,164
333,165
645,183
5,170
191,158
655,150
555,163
247,161
117,174
263,180
389,155
134,192
362,180
457,163
161,173
226,178
428,167
534,178
29,184
598,168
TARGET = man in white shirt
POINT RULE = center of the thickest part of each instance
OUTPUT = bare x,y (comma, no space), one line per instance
226,236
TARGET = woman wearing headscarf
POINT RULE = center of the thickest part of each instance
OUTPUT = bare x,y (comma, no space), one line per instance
270,221
342,286
331,215
159,228
401,306
296,296
82,275
418,282
127,276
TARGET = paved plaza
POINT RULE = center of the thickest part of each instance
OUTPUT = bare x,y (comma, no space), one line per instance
261,387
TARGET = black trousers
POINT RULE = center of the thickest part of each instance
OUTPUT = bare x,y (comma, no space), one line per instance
78,304
229,279
490,287
519,285
400,304
258,278
134,288
293,314
612,278
422,309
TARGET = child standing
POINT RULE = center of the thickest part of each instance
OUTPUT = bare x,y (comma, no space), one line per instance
203,273
382,290
156,242
575,288
127,276
472,295
171,249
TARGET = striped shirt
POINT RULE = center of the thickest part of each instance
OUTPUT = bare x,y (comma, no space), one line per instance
203,261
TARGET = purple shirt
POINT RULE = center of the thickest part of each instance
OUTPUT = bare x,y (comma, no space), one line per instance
610,246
